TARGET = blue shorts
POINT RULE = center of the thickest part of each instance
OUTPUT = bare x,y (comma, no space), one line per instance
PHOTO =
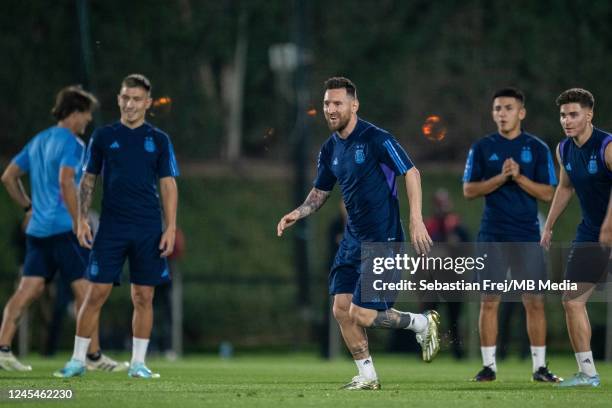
114,244
509,257
45,256
345,274
587,262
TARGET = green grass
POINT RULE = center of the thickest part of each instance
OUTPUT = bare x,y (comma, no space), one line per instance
299,380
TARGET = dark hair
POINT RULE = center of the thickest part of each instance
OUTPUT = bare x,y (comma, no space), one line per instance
137,81
73,99
576,95
509,92
341,82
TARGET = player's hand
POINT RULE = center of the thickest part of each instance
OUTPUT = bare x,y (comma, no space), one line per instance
419,237
507,168
166,244
287,221
546,238
605,235
514,168
84,234
26,220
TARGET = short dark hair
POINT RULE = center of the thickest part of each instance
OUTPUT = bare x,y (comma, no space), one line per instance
576,95
71,99
137,81
341,82
510,92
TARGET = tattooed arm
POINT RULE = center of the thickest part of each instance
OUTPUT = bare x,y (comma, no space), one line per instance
86,188
315,200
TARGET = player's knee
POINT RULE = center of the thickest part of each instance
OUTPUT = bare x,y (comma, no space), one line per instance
341,312
489,306
572,306
25,295
533,305
142,299
95,298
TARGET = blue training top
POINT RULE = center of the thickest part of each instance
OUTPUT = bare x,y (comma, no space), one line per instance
43,157
591,178
365,166
510,211
131,162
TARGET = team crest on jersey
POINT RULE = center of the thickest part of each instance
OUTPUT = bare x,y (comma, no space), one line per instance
592,167
149,144
526,156
360,154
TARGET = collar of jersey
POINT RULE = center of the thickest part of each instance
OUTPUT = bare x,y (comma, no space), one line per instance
500,137
144,125
360,127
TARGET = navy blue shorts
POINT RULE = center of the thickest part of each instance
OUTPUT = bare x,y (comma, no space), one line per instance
588,262
59,252
345,275
114,244
508,257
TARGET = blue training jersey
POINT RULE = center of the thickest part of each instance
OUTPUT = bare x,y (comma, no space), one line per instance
131,162
591,178
510,210
42,158
365,166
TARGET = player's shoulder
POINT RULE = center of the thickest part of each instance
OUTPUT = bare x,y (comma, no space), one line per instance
328,145
46,133
373,132
156,132
106,130
486,140
601,134
61,136
536,141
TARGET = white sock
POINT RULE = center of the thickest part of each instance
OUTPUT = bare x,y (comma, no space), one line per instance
538,357
81,344
586,364
418,322
488,357
139,350
366,368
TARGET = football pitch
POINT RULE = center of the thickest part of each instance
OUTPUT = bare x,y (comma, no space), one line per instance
300,380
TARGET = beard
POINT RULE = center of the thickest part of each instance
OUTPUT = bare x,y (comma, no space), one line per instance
341,123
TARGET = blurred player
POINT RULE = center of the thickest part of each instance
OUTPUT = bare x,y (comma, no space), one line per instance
512,169
53,158
132,156
365,161
585,159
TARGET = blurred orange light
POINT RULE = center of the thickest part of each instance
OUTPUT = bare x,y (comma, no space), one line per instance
433,128
311,112
162,101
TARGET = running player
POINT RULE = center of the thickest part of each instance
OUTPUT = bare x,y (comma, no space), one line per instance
365,160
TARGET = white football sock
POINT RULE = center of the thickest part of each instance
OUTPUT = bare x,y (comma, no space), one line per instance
139,350
538,357
488,357
366,368
81,344
586,364
418,322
